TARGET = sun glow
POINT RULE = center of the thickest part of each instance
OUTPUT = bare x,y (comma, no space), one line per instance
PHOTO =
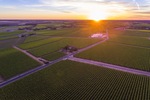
97,16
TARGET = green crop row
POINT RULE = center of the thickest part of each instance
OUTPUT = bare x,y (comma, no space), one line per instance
53,56
38,43
70,80
34,38
56,46
119,54
4,34
137,41
13,62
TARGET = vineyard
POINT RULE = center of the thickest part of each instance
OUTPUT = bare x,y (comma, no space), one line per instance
13,62
119,54
56,46
71,80
136,41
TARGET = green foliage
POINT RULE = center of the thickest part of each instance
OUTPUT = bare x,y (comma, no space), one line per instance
140,33
53,56
34,38
4,34
119,54
70,80
38,43
131,40
59,32
13,62
56,46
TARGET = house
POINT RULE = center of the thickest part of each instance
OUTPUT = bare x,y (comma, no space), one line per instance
69,49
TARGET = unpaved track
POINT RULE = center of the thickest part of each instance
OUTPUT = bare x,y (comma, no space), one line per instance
28,54
111,66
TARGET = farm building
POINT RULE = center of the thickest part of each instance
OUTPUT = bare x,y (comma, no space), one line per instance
69,49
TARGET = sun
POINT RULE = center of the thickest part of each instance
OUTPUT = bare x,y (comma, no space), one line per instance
97,16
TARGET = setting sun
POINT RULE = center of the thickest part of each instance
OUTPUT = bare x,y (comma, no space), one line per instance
97,16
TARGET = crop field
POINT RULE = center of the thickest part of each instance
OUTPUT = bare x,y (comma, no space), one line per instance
132,32
34,38
56,46
71,80
137,41
39,43
59,32
4,34
42,26
119,54
53,56
8,43
13,62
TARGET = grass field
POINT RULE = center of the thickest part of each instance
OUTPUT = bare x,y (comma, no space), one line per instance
119,54
13,62
56,46
70,80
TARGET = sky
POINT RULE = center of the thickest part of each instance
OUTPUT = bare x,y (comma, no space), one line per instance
75,9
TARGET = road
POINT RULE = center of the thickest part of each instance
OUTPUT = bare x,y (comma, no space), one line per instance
27,73
28,54
110,66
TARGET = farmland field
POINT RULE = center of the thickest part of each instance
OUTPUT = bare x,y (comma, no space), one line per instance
8,43
38,43
137,41
56,46
34,38
119,54
4,34
53,56
57,32
13,62
71,80
132,32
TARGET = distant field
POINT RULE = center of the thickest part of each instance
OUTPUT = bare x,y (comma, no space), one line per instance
56,46
41,26
34,38
4,34
59,32
131,40
70,80
13,62
131,32
38,43
119,54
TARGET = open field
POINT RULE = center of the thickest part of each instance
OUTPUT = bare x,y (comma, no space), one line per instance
13,62
56,46
59,32
8,43
119,54
39,43
6,34
131,40
71,80
53,56
34,38
132,32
